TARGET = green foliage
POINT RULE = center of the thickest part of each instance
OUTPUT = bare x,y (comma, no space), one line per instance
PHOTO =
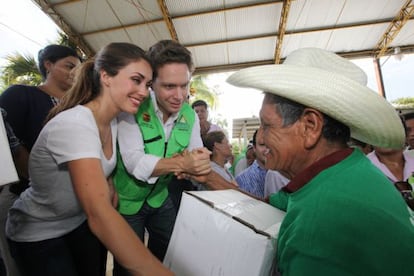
20,69
63,39
201,91
408,102
236,148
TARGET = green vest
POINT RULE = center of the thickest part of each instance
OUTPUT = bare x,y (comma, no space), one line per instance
133,193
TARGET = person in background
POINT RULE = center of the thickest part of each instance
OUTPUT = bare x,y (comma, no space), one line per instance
218,144
27,108
409,123
274,182
201,108
19,155
163,138
336,200
57,225
364,147
244,160
252,179
398,166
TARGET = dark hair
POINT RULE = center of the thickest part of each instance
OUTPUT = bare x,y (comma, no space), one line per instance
53,53
213,137
87,86
199,103
403,121
408,116
169,51
290,111
355,142
254,137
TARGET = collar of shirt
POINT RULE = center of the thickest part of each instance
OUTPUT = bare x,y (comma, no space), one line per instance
169,124
306,175
256,164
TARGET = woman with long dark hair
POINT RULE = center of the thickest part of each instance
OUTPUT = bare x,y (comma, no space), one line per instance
57,225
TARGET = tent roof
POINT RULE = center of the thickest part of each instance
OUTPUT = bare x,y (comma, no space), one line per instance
244,128
226,35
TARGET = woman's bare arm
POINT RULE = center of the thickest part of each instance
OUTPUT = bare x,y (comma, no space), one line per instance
107,224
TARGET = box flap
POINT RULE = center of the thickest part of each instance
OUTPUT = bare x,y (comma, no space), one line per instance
255,214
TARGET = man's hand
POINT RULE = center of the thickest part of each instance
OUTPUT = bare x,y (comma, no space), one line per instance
196,162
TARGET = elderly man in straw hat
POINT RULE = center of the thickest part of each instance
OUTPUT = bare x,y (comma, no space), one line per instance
344,217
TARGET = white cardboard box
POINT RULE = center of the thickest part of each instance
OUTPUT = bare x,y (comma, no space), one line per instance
224,233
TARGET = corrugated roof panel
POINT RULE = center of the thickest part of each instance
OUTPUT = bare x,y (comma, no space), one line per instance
84,15
147,35
179,8
136,11
236,3
405,36
240,31
200,29
343,40
367,10
231,24
313,13
210,55
93,15
259,49
253,21
297,41
151,32
340,40
105,38
320,13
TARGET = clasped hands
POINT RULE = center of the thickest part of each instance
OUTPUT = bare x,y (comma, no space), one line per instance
194,163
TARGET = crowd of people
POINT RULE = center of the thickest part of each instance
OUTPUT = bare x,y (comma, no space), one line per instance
105,147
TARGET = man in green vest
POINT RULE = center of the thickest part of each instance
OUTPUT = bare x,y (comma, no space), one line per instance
161,140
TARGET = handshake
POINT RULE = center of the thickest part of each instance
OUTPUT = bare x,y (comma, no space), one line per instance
194,165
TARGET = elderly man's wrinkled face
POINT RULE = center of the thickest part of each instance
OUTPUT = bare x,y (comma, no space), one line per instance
285,144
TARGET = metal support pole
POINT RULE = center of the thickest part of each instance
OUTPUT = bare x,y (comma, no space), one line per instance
378,74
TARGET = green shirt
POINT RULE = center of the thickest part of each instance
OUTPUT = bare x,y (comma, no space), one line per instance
347,220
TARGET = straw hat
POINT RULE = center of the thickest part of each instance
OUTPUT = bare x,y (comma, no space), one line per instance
333,85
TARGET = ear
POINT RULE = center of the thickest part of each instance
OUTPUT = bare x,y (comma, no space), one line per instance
216,147
312,124
48,65
105,78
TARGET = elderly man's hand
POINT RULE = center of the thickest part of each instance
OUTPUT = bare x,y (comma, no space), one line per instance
212,180
196,162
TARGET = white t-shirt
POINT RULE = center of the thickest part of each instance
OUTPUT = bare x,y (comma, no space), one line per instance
223,171
49,208
274,182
